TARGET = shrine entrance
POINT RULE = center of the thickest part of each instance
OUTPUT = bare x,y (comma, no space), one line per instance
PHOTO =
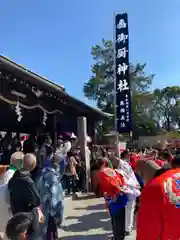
32,104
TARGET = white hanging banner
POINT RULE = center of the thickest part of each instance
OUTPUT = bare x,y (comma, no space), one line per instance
18,112
45,117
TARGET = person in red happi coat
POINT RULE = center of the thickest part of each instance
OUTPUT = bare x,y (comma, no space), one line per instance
159,211
133,161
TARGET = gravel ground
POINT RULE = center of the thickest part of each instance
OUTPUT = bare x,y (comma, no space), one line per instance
86,219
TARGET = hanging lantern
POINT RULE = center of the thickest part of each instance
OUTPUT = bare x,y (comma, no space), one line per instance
18,112
44,118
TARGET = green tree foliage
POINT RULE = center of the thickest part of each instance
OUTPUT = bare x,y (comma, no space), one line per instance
149,109
167,106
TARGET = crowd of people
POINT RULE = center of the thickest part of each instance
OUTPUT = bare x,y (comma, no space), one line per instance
139,185
144,184
35,183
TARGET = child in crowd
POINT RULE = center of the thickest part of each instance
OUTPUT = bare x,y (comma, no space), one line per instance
23,226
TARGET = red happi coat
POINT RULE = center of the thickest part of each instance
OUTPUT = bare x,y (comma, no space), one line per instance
159,212
110,181
133,161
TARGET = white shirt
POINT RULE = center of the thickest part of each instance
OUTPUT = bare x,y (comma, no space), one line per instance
67,146
130,179
4,200
8,175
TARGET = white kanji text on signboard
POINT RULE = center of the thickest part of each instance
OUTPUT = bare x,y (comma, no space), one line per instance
122,52
121,24
122,68
123,85
121,38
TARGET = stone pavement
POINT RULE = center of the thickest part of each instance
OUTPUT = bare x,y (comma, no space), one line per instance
86,219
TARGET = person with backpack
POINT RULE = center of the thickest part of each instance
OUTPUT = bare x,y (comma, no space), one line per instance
70,174
52,200
110,184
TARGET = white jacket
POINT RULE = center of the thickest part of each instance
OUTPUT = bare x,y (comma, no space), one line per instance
4,201
130,179
8,175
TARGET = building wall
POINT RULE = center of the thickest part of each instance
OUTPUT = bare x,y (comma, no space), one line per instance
151,141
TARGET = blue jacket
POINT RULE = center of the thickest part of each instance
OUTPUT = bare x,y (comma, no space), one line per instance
115,205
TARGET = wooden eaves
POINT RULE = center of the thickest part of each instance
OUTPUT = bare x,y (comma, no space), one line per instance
44,83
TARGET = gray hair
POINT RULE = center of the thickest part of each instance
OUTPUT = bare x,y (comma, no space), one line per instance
29,161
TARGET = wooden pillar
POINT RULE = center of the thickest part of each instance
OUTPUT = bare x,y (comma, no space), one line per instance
82,138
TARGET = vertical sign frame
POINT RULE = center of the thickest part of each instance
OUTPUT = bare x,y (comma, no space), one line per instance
123,112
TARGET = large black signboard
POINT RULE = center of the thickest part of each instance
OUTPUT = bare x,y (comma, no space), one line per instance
123,93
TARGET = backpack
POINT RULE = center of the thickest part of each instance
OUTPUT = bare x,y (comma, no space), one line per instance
68,168
111,182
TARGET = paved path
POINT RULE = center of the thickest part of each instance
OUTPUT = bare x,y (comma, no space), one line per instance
86,219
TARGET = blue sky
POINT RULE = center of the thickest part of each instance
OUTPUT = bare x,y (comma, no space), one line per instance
54,37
